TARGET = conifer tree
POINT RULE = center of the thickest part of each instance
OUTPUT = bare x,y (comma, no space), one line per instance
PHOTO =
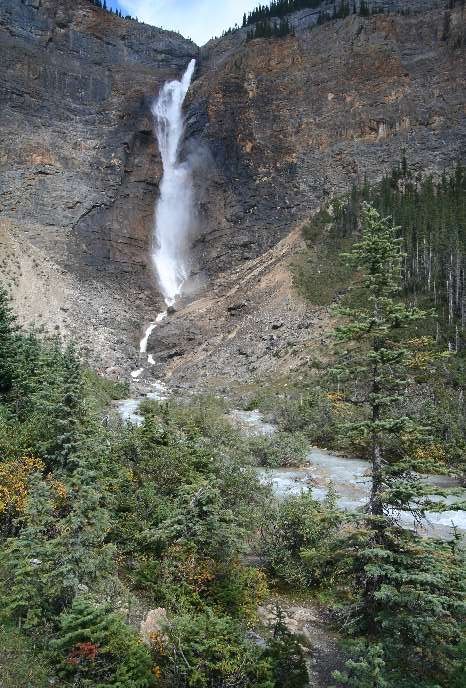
96,648
82,533
364,10
67,412
59,552
34,587
365,669
375,364
28,348
288,664
406,583
8,343
57,404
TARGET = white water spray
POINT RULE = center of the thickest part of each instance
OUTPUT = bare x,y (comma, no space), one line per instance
174,211
148,332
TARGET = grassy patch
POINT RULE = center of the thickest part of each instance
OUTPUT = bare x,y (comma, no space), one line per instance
102,391
319,273
21,664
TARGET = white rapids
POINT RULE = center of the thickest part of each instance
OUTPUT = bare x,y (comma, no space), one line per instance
128,409
350,479
148,332
136,374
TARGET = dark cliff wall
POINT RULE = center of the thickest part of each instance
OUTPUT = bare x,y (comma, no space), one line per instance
79,167
287,121
291,121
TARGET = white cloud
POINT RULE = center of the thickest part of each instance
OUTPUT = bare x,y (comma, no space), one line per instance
196,19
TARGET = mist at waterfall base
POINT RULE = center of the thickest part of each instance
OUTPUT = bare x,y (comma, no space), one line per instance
174,213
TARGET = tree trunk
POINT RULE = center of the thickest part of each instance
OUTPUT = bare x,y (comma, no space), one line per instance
375,504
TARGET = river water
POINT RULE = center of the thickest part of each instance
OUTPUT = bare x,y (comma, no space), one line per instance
349,477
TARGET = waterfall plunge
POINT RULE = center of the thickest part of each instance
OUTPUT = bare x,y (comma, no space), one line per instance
174,211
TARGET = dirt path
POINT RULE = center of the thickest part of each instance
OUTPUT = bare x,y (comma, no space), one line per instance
308,621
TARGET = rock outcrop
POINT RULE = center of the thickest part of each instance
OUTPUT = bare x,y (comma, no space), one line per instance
79,167
78,156
292,121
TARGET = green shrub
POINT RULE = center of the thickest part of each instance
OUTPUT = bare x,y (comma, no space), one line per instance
365,668
22,665
96,649
287,658
100,391
238,590
203,417
206,650
280,449
309,412
298,540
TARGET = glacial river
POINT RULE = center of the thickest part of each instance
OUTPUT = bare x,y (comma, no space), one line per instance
349,477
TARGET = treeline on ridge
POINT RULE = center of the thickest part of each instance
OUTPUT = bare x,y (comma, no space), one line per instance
103,5
263,19
282,8
431,214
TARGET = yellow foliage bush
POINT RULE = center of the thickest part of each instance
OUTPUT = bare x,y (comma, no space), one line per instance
60,489
158,642
339,404
421,360
196,571
14,479
429,453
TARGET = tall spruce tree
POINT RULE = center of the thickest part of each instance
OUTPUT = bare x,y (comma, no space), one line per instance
67,412
8,343
412,590
89,560
34,587
57,404
375,365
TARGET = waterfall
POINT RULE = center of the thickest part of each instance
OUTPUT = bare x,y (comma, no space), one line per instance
174,209
148,332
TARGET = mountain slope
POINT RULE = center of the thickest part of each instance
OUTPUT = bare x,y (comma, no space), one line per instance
283,124
79,167
292,121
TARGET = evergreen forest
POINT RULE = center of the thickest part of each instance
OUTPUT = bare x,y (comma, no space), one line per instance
430,214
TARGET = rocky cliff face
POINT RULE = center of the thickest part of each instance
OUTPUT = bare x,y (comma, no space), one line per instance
292,121
283,123
79,167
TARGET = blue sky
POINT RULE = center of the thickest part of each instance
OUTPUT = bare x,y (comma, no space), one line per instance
196,19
